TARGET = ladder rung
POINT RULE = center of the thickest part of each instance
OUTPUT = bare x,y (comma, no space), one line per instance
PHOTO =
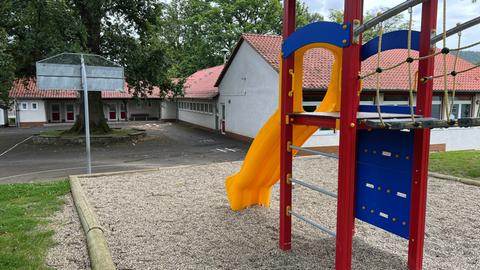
312,187
306,220
313,151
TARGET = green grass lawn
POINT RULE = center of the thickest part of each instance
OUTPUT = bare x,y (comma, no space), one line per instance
459,163
24,213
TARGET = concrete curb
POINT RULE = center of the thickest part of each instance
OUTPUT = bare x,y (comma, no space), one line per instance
454,178
100,257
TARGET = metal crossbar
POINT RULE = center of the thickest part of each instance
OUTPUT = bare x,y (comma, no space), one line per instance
313,151
385,16
314,224
312,187
456,29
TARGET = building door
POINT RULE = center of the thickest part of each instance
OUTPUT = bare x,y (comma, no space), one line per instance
123,111
222,122
70,112
55,112
112,111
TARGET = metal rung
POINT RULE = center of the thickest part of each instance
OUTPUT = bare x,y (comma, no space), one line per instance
323,229
313,151
312,187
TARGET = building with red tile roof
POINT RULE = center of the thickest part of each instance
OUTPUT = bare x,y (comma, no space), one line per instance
35,107
318,65
198,106
248,84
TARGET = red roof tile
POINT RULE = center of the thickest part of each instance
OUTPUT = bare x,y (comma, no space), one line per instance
28,89
201,84
318,64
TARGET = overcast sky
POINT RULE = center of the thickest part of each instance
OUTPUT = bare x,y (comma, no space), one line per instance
458,11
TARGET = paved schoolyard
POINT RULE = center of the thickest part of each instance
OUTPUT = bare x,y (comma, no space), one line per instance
167,144
179,218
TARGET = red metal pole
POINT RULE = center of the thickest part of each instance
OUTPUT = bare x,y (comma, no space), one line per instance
286,136
422,139
348,139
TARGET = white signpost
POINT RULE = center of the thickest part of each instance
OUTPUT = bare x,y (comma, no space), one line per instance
82,72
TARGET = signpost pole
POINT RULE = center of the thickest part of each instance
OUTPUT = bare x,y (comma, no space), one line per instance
86,116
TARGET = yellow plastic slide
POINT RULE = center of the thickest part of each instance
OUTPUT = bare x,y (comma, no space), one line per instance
261,168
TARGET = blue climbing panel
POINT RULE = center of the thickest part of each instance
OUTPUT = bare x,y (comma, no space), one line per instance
384,179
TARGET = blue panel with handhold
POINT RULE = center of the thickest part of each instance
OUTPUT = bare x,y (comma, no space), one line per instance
391,40
384,179
400,109
318,32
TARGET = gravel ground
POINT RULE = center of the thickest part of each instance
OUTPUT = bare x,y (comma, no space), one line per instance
70,249
179,218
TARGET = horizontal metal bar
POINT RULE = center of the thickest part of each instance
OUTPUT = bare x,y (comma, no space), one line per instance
306,220
312,187
385,16
456,29
313,151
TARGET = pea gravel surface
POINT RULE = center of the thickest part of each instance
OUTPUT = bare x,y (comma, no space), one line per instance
70,248
179,218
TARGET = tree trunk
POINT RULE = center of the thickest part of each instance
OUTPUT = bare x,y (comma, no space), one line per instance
98,123
92,12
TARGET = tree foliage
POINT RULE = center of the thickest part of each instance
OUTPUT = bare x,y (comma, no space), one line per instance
395,23
198,30
155,41
7,72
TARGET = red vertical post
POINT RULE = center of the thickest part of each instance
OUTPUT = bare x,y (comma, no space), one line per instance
422,139
348,139
286,136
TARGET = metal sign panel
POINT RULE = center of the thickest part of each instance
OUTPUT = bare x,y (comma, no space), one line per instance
63,72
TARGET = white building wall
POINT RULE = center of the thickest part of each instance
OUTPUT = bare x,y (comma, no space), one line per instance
249,91
168,110
455,139
2,118
197,118
150,107
476,111
31,115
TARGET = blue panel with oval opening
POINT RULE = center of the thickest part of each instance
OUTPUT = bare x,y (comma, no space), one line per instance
318,32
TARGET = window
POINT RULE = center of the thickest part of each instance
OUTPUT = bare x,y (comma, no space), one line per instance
23,106
462,107
437,107
367,100
34,106
70,112
395,99
311,102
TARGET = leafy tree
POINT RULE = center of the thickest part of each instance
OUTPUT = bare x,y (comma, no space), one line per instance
395,23
198,30
119,30
7,71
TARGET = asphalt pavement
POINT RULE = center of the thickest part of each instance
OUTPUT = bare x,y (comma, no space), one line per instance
166,145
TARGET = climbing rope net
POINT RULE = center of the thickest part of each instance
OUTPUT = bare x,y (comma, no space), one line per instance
412,79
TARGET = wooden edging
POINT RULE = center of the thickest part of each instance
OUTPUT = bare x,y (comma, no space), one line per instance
454,178
100,256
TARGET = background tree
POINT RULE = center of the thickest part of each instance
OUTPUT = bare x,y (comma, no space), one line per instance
7,75
118,30
395,23
198,30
